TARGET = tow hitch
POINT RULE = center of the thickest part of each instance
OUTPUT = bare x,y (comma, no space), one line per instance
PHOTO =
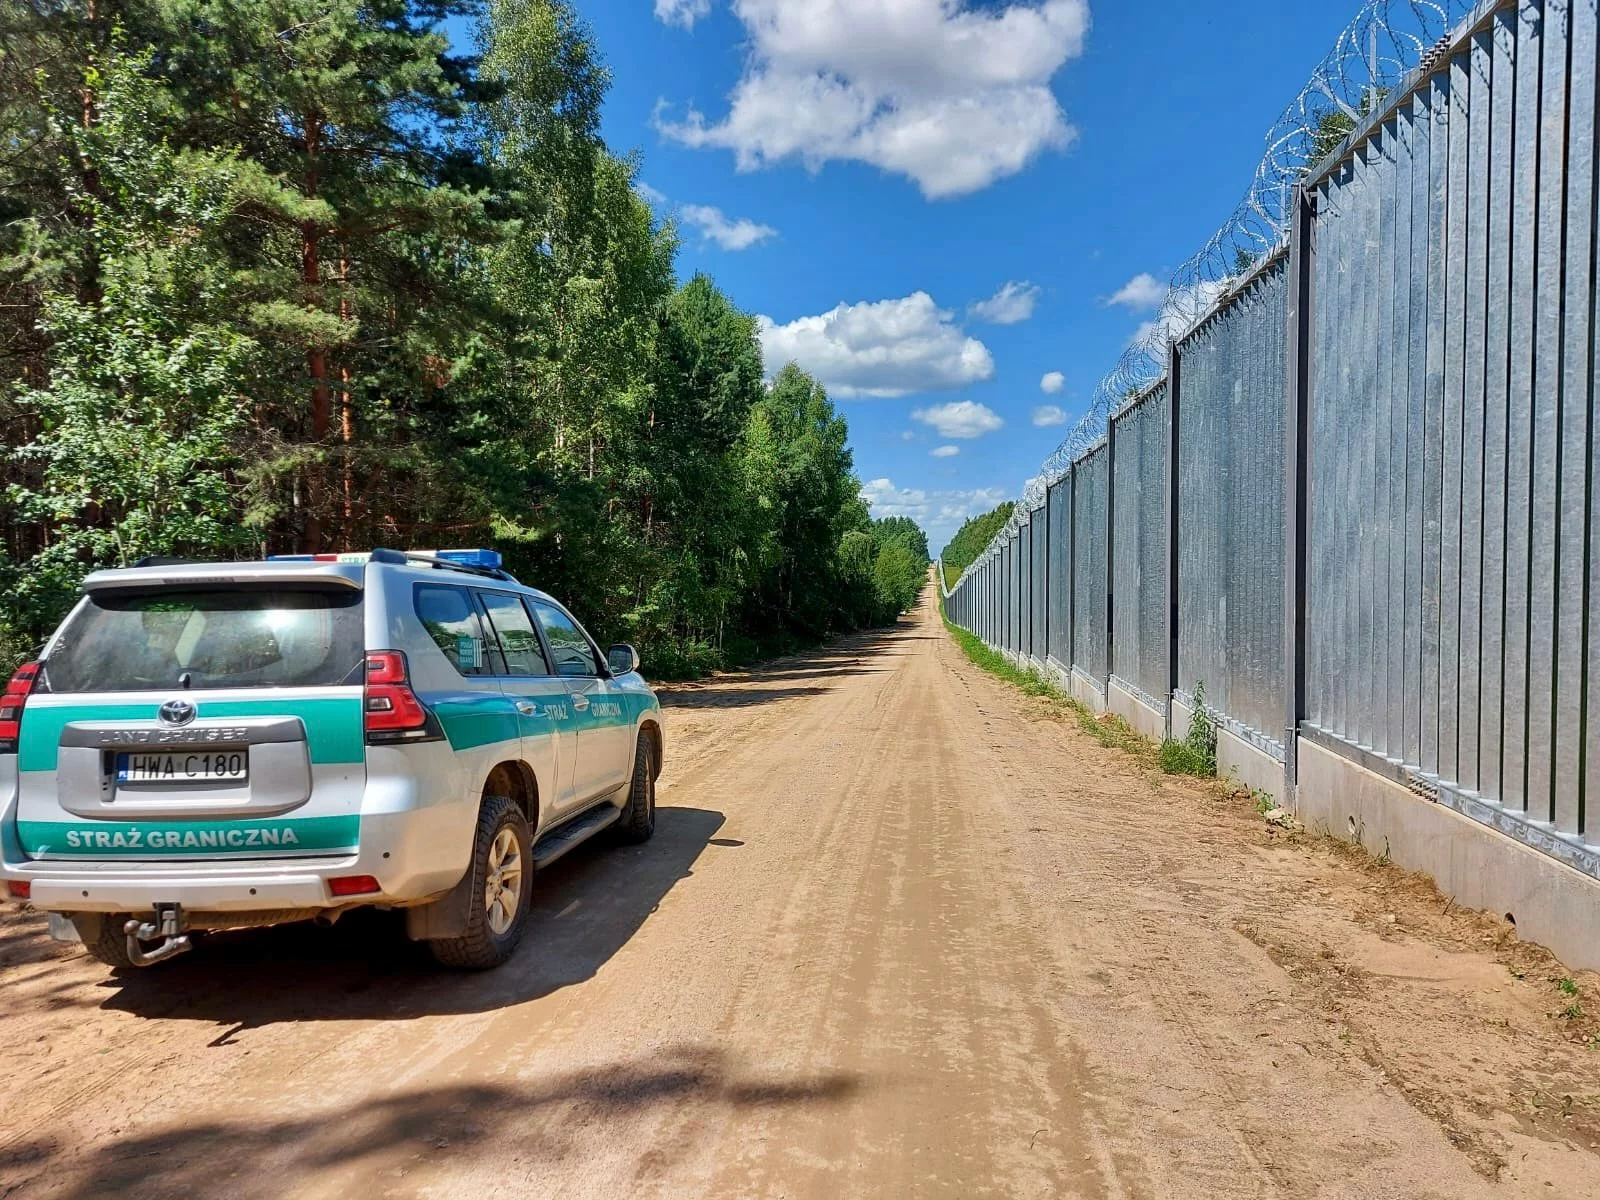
169,919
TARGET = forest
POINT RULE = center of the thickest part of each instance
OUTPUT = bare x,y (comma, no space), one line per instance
311,275
971,540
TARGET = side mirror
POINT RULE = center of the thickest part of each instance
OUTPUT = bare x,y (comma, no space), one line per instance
622,659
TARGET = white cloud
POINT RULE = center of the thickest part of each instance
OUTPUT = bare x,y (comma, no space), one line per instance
1011,305
907,436
682,12
1141,293
730,235
951,96
651,196
960,419
940,513
945,451
1051,383
1047,415
881,348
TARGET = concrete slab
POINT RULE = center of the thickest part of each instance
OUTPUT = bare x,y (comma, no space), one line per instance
1238,760
1149,721
1086,693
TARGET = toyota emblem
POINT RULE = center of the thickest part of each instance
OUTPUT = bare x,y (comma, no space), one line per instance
176,712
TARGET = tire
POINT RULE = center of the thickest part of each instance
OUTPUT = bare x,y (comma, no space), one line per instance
103,937
493,927
638,819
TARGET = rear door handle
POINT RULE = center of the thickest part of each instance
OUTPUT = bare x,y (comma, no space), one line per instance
580,701
527,707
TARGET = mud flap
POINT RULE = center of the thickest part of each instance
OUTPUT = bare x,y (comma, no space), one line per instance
445,917
63,930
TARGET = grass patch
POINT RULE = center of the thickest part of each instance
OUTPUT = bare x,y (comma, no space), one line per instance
1181,758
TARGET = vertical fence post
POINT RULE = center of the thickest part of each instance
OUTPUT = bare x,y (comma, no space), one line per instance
1174,391
1296,425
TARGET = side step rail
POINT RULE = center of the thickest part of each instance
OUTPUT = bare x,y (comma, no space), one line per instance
574,833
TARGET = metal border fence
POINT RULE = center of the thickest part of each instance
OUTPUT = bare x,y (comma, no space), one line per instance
1359,504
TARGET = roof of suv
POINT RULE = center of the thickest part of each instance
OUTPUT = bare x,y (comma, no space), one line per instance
350,574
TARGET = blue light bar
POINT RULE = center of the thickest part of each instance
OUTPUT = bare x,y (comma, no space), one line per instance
487,559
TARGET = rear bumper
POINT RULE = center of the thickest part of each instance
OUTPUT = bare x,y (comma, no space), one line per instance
390,852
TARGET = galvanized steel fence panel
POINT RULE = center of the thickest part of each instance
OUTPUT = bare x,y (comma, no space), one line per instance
1024,565
1091,493
1040,599
1230,430
1060,571
1139,641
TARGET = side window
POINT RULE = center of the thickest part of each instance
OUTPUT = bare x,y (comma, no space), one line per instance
451,619
519,644
572,652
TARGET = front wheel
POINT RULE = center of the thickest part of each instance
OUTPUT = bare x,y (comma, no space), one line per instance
501,867
638,819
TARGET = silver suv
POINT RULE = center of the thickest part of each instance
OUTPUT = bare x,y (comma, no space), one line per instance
211,746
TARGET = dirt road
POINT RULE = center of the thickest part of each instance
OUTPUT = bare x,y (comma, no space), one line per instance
902,932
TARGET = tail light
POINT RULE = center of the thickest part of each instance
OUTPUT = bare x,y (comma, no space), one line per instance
354,885
19,889
391,709
11,704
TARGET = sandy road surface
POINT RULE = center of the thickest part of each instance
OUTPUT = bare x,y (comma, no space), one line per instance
901,933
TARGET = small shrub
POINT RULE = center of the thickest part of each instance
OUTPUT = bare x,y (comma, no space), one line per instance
1196,754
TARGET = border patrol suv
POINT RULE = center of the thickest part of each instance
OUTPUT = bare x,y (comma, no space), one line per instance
222,745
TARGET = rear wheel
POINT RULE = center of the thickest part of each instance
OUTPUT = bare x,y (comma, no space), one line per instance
638,819
103,937
498,896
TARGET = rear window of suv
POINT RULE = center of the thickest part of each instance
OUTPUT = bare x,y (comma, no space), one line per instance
151,640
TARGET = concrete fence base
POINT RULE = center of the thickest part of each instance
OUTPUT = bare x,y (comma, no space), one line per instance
1087,691
1477,866
1149,721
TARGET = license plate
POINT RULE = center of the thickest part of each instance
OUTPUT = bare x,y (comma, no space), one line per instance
184,766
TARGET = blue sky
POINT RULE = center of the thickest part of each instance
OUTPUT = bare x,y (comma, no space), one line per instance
866,174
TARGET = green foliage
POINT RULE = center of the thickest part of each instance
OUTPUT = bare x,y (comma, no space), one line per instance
287,275
971,539
133,437
1196,753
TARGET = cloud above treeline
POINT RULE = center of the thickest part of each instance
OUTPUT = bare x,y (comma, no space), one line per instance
952,96
881,348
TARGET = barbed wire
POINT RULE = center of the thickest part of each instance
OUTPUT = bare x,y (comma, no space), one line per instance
1385,41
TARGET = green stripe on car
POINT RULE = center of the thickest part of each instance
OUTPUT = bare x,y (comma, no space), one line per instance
471,721
153,839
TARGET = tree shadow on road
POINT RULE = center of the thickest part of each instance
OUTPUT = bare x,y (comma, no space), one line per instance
584,909
429,1130
723,697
